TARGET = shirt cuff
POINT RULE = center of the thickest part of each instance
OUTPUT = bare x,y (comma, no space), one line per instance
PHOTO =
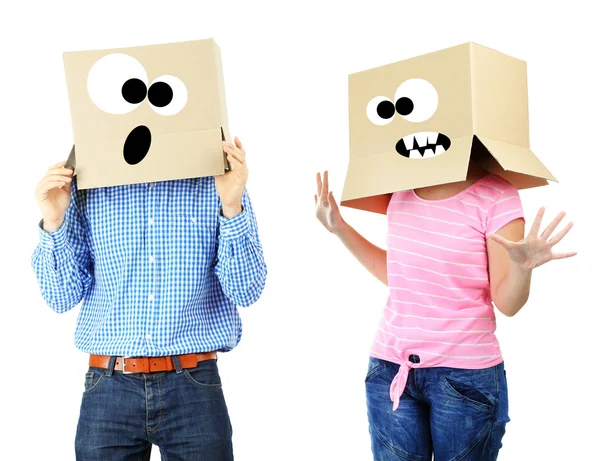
53,240
233,228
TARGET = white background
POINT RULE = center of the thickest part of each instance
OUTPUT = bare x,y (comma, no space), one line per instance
295,384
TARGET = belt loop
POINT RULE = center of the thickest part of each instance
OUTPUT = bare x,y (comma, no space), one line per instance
178,368
111,366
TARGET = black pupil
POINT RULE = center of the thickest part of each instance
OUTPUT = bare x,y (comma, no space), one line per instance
385,109
404,106
134,91
160,94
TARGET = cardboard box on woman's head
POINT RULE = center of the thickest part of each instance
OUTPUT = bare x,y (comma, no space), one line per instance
147,113
418,123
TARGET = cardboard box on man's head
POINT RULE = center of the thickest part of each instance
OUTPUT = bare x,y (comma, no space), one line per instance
419,122
147,113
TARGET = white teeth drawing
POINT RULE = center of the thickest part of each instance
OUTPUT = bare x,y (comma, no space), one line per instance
408,141
421,139
428,144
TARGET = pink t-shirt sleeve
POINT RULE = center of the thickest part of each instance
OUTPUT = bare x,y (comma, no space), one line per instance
505,208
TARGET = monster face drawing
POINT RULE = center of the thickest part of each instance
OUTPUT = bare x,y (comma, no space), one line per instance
415,100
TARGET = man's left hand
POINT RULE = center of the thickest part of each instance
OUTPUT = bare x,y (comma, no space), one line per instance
230,186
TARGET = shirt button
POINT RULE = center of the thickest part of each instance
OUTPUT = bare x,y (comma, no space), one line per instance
151,297
151,258
151,221
151,184
193,219
148,336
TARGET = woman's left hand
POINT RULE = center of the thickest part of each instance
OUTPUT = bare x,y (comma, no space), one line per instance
535,250
230,186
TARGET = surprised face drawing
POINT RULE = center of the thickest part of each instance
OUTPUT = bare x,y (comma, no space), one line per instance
118,83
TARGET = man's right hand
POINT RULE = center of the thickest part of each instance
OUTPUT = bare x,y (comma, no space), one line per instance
53,194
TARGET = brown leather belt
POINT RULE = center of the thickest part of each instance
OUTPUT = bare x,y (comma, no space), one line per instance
150,364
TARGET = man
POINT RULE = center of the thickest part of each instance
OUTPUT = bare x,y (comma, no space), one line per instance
160,268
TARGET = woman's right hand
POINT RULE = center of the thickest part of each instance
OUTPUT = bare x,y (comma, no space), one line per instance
53,194
328,212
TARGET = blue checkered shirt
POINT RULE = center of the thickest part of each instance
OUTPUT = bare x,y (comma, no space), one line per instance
159,270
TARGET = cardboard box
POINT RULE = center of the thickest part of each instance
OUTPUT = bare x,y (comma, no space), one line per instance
147,113
418,123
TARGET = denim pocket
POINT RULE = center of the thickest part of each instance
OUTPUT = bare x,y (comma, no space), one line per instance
376,367
93,378
467,393
205,375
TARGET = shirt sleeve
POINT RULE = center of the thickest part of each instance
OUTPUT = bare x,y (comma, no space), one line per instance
62,261
240,266
506,208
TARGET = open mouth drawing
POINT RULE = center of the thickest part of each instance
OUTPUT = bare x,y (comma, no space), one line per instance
425,144
137,145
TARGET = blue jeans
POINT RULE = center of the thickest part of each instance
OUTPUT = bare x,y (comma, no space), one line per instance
456,414
182,411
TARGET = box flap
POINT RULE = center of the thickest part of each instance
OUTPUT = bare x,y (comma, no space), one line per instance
516,164
72,161
197,151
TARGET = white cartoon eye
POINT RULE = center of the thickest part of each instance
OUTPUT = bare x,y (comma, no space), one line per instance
380,110
416,100
167,95
117,83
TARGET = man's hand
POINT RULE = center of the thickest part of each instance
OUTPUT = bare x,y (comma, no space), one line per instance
53,194
230,186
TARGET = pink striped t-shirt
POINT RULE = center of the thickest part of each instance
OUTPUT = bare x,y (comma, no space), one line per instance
439,306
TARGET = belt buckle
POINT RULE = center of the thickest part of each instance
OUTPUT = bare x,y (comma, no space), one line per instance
124,371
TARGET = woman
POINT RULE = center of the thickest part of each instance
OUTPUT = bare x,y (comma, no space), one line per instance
453,249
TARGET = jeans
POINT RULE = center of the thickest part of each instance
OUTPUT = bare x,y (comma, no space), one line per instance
183,412
455,414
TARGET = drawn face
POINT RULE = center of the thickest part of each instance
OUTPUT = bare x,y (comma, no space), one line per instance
118,84
415,100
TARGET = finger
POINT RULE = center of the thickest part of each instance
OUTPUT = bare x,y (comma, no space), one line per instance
57,165
239,145
563,255
550,228
235,153
42,185
48,186
325,190
235,163
316,199
325,196
506,244
60,171
558,237
537,222
57,177
334,205
319,184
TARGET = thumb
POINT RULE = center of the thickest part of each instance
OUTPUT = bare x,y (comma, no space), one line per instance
334,205
506,244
